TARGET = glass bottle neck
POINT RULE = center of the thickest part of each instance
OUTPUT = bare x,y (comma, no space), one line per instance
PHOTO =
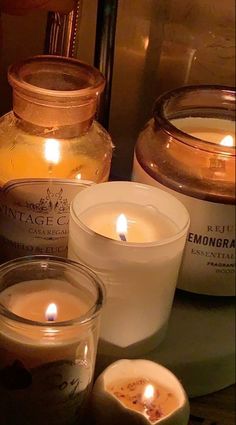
60,132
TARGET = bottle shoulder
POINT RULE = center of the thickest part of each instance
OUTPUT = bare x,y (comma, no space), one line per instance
11,131
26,155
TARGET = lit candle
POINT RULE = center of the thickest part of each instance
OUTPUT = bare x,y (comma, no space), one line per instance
213,130
138,223
139,392
48,337
51,312
121,227
35,194
220,134
188,149
140,272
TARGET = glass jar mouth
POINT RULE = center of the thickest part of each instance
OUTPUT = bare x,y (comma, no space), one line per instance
56,77
55,91
43,260
163,119
125,245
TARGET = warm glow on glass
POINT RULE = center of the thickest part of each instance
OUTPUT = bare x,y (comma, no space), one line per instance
52,151
121,224
148,392
146,42
227,141
51,312
78,176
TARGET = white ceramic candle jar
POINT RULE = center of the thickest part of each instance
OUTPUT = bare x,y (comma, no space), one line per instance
133,236
49,321
139,392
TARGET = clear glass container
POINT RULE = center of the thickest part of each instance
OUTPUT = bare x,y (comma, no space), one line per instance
49,143
47,358
188,148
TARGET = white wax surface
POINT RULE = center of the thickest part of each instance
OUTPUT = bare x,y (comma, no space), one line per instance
145,223
208,129
30,300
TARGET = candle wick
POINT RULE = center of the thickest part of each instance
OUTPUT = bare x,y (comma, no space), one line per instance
50,319
122,237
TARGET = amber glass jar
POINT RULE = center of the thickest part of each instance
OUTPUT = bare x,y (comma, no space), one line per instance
188,149
49,145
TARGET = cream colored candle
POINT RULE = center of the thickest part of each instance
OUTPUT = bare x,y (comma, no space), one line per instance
32,300
218,132
214,130
48,339
138,224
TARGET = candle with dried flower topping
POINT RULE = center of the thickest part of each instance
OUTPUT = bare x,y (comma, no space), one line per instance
139,392
145,396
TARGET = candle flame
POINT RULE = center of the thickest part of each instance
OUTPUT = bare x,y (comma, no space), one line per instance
227,141
121,225
78,176
52,151
51,312
149,392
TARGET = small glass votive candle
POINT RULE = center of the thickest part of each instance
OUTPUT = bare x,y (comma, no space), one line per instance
133,236
139,392
49,323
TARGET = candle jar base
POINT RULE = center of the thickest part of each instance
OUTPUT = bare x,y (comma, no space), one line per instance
108,352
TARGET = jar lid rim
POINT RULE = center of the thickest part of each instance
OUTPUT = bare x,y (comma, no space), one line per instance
162,120
21,77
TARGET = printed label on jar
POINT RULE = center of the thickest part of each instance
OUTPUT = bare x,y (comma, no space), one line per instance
54,393
208,265
34,216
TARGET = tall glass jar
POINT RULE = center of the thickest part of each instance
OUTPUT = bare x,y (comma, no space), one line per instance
188,149
49,144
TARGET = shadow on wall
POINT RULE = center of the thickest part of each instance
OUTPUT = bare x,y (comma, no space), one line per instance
23,36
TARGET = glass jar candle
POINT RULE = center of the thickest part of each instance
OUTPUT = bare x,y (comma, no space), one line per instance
188,149
48,145
49,323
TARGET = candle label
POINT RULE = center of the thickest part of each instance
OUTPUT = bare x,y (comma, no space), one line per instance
208,265
34,216
54,393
